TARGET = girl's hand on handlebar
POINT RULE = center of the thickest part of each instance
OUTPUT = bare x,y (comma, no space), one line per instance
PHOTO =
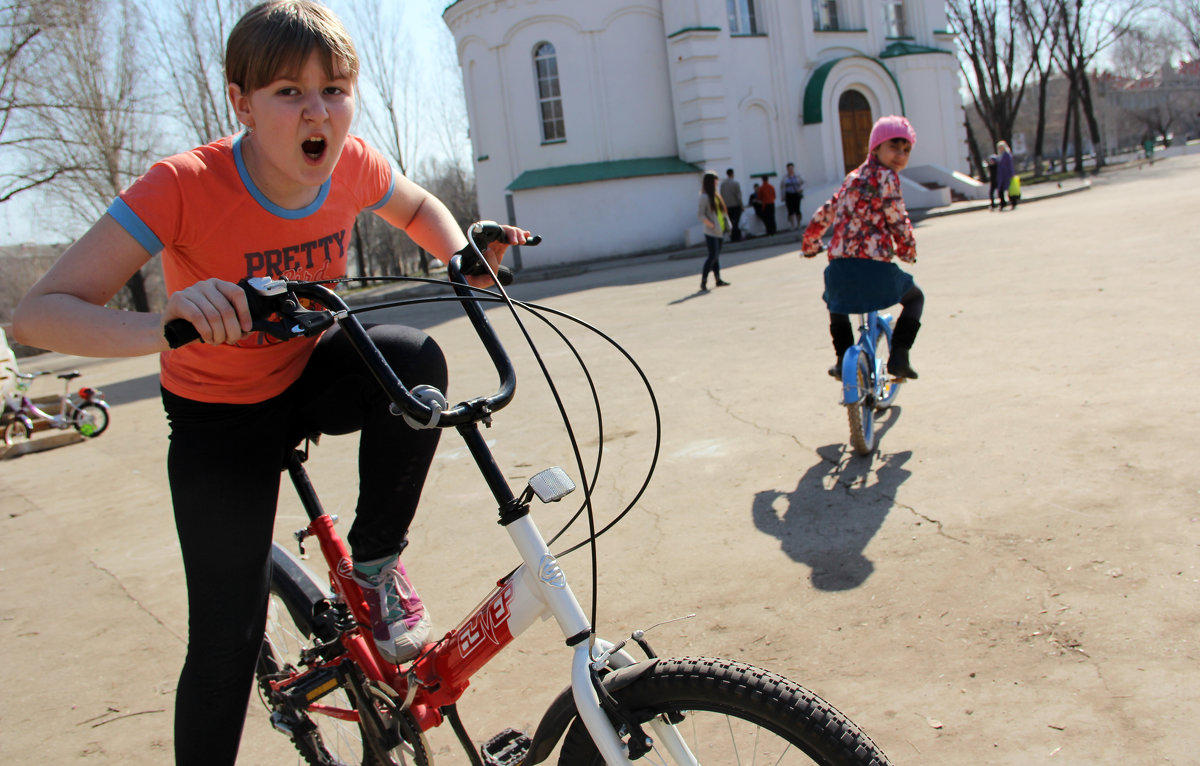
216,308
494,253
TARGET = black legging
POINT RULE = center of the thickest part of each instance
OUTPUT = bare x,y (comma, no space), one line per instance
912,304
224,464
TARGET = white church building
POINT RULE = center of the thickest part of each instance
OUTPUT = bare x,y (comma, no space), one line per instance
592,121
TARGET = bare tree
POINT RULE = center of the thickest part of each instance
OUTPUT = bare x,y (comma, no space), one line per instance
1085,29
1041,34
190,41
23,24
90,120
1186,13
994,71
448,105
388,81
389,102
1143,49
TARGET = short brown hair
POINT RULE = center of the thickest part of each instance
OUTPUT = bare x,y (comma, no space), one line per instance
276,37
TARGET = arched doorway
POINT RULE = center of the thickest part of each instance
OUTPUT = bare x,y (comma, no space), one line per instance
854,113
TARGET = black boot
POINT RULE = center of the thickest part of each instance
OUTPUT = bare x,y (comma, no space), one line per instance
902,340
843,338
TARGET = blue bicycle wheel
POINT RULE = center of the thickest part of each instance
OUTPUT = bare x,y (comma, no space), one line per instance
862,412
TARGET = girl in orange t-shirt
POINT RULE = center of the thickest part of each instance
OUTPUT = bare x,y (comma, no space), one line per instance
277,200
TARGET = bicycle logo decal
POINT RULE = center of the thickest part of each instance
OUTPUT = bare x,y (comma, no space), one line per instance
551,573
345,568
486,621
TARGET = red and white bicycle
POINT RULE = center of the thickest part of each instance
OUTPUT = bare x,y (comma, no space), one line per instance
329,690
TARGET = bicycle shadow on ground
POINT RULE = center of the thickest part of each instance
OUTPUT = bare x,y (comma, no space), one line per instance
837,507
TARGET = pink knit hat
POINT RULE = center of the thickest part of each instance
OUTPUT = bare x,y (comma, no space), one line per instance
889,127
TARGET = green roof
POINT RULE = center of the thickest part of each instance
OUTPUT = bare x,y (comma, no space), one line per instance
904,48
815,89
588,172
685,30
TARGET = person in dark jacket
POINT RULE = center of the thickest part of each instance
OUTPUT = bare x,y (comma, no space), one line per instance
1004,171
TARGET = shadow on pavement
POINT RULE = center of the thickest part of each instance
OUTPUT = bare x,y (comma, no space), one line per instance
128,391
827,521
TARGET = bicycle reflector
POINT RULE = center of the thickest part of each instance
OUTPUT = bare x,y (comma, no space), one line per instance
87,392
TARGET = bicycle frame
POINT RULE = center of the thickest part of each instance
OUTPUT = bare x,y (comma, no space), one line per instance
871,326
536,590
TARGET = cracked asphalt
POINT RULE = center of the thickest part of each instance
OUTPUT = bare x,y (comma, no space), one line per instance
1011,579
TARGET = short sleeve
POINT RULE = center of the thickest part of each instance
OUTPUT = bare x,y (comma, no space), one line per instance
151,209
374,182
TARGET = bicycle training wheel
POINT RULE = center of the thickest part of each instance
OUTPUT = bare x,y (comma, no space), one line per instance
90,419
862,412
324,740
728,712
16,430
889,387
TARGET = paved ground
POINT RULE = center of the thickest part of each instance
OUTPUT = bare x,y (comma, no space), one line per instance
1012,579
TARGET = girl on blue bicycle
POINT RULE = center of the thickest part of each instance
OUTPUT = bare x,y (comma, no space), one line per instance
870,228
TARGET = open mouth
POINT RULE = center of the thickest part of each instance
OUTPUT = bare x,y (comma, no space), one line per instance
314,148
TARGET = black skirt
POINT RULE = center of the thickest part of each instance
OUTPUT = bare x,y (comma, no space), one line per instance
859,285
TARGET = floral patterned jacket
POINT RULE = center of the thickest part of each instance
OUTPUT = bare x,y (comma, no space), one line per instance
868,216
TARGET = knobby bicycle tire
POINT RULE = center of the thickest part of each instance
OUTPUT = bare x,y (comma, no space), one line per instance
321,740
861,414
733,713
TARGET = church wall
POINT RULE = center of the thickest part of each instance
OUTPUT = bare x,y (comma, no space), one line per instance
636,110
607,218
662,78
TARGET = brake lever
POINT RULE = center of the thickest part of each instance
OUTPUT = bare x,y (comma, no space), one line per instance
482,234
267,296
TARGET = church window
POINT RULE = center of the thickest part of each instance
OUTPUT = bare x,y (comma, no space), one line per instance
742,19
545,66
825,15
895,22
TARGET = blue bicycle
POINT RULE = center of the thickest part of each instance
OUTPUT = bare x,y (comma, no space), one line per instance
867,388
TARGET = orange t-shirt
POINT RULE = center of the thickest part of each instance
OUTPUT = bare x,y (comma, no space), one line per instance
766,193
203,212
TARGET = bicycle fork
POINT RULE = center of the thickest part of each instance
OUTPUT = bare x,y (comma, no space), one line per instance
542,587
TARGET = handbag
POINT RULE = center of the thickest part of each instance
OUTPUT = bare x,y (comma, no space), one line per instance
1014,186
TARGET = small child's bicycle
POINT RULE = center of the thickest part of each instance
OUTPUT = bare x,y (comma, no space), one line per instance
85,411
330,691
867,388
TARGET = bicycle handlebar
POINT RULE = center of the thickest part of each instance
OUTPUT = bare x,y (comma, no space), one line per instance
271,297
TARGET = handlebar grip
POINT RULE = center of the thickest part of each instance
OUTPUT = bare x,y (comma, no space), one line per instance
483,233
474,267
180,332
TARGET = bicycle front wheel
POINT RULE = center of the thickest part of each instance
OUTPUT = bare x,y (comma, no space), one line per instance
326,740
16,430
90,419
862,413
717,712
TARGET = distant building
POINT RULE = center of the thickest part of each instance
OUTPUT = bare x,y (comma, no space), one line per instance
591,122
1163,105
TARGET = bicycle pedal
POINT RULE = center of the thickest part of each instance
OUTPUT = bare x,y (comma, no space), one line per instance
508,748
